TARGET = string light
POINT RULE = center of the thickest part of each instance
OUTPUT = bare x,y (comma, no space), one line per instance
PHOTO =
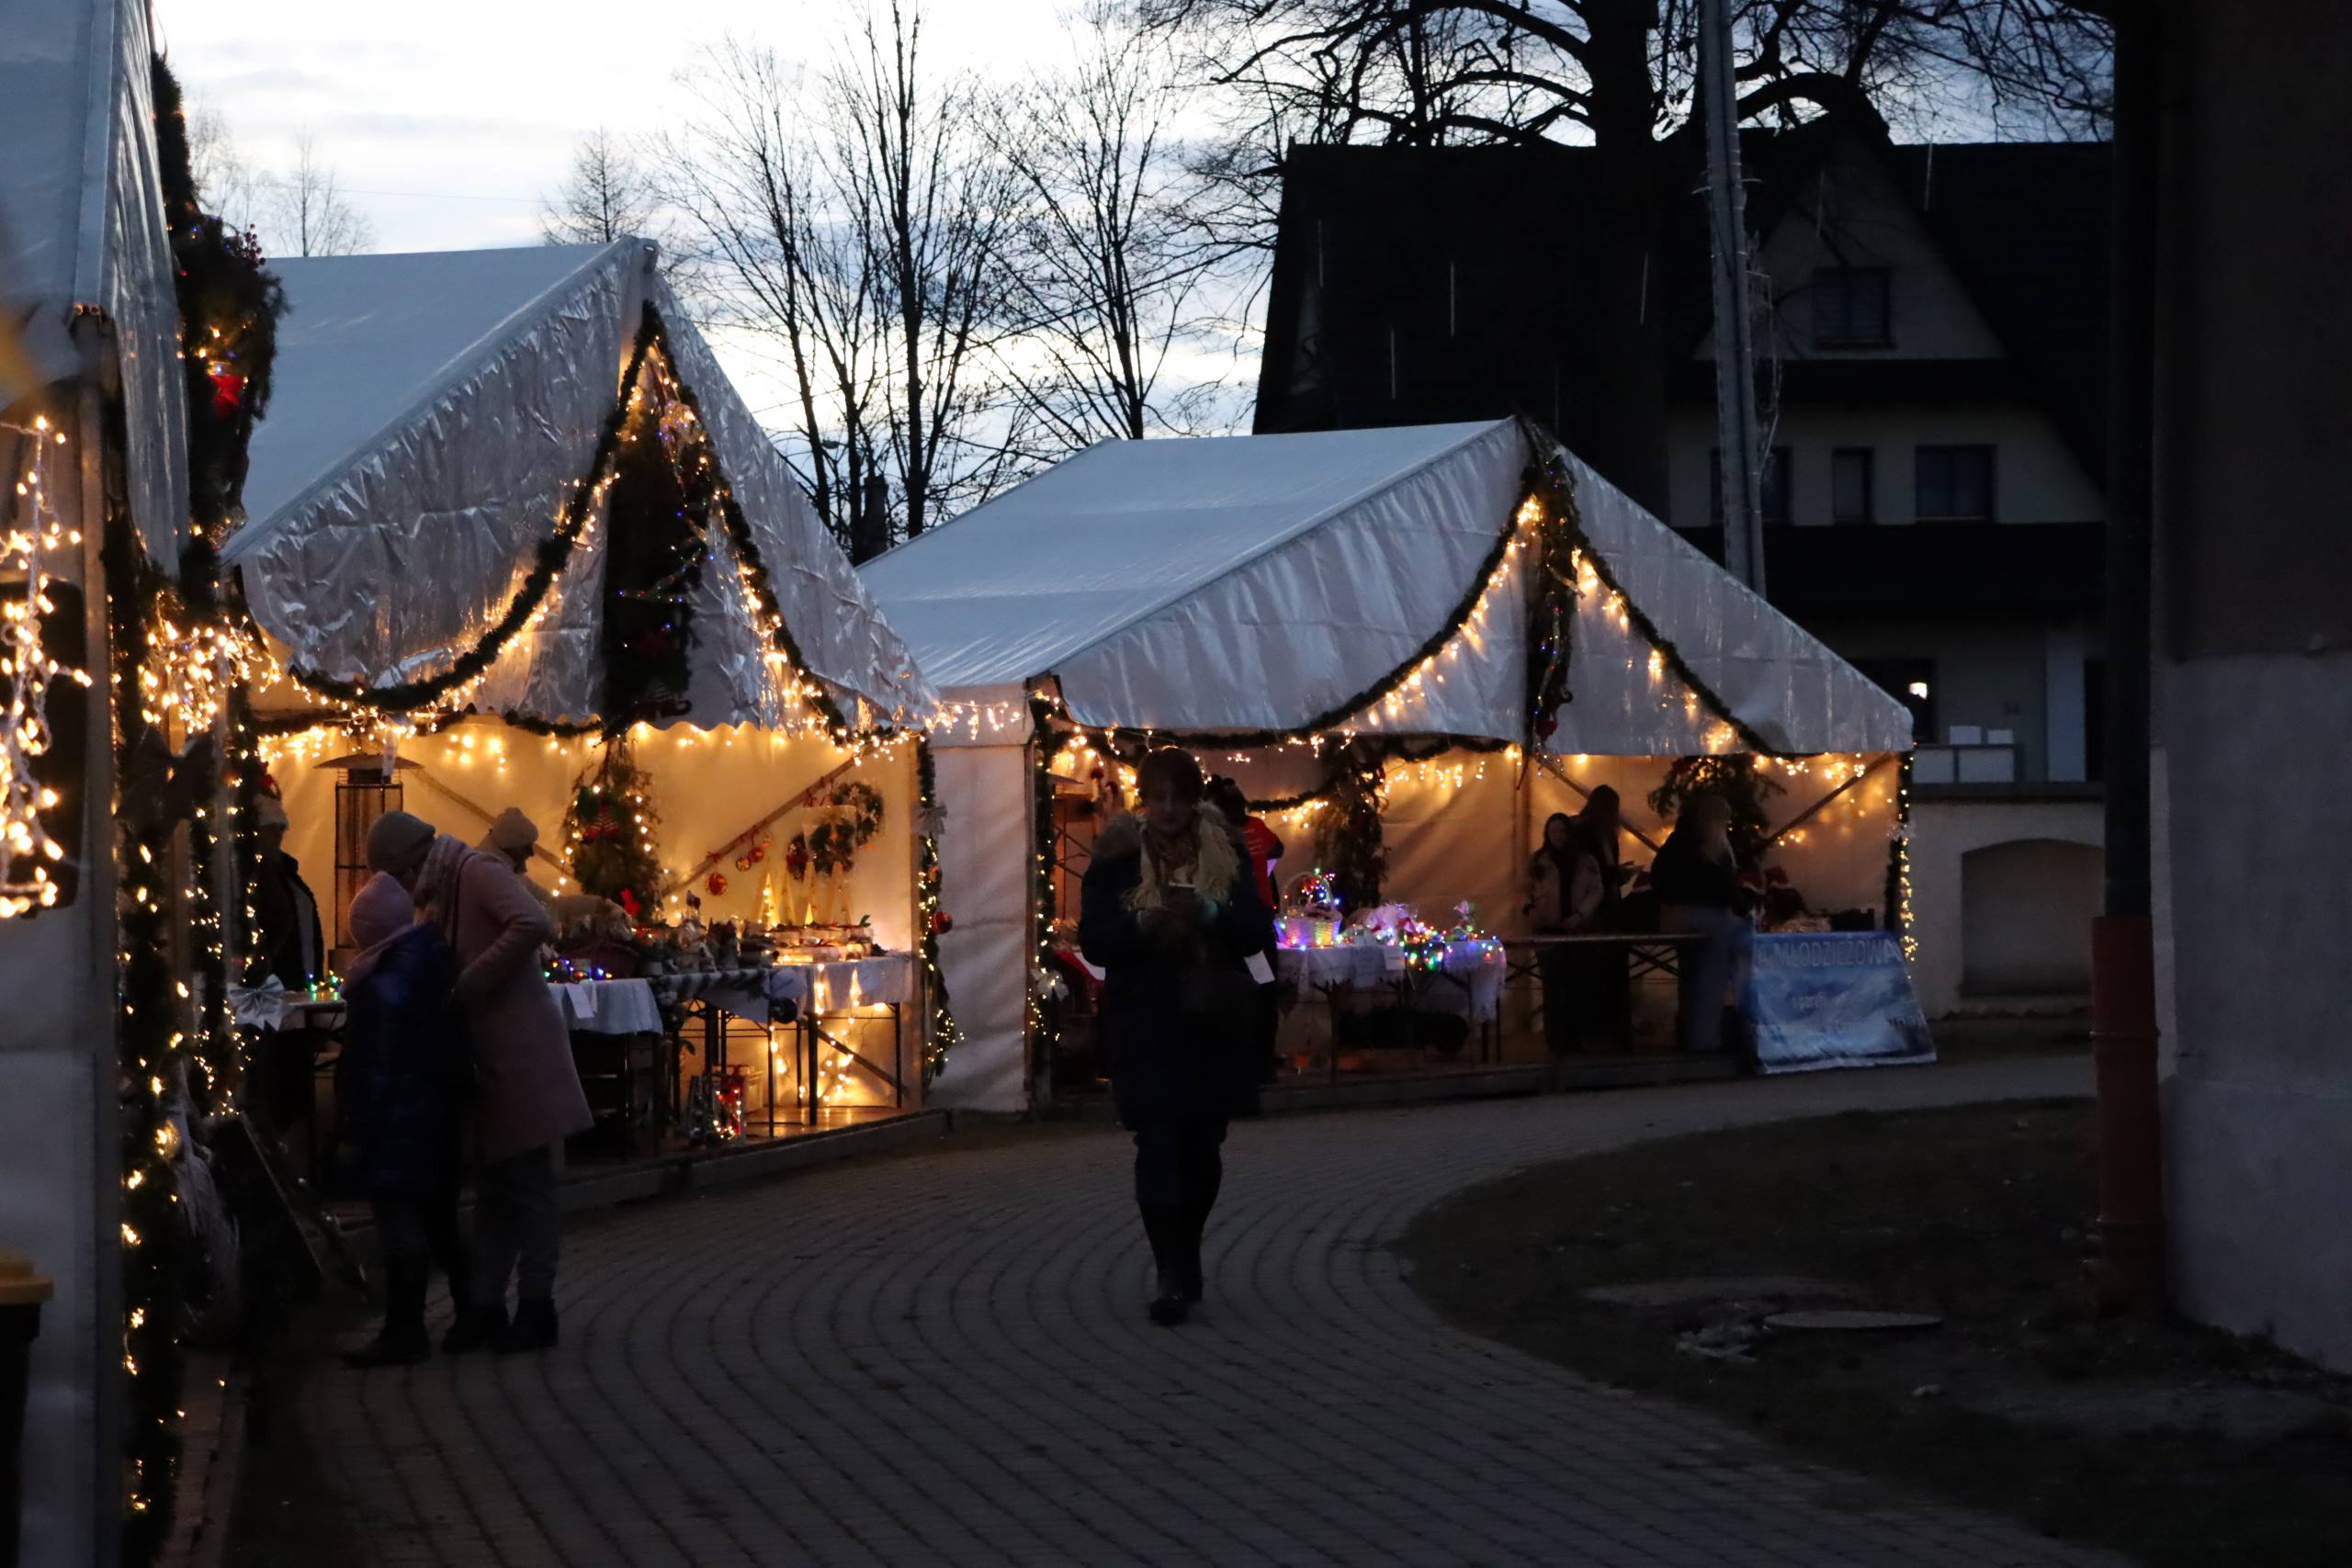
27,848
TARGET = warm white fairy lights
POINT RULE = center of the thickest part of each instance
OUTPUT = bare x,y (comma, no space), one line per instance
27,848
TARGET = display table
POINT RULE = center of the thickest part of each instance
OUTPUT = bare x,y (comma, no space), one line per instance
804,995
1476,970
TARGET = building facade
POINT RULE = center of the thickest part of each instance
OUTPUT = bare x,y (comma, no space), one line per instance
1932,344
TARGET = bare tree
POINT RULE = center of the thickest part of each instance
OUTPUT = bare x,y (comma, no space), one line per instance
1619,74
604,197
226,184
930,202
310,212
853,219
1107,264
773,255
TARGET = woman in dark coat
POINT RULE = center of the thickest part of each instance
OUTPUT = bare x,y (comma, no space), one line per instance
1697,881
402,1085
1170,914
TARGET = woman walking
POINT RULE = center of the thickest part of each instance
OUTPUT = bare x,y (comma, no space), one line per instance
1170,912
528,1099
1697,882
401,1092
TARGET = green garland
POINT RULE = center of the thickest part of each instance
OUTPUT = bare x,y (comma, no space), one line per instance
943,1035
553,554
1045,1013
148,1045
657,542
705,494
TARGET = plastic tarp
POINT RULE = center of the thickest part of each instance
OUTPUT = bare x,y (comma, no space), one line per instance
985,860
1256,582
432,413
82,224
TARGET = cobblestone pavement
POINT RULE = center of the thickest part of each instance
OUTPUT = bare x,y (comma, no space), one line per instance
942,1359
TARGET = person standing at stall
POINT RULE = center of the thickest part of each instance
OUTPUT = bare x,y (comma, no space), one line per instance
401,1089
1696,877
529,1098
1170,912
511,838
1570,891
1264,848
289,947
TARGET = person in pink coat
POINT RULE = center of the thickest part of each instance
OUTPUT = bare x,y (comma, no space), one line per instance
528,1099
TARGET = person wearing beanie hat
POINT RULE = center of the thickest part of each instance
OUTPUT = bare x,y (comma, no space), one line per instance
511,838
289,946
402,1087
527,1093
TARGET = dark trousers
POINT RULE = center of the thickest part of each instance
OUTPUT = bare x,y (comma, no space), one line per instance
1178,1168
517,1227
419,1232
1585,992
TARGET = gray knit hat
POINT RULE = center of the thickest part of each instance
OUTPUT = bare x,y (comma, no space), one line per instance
397,838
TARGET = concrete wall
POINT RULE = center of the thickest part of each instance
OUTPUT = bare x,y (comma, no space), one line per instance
1991,671
1950,826
2253,379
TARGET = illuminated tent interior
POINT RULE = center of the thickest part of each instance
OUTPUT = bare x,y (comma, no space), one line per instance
508,517
1284,604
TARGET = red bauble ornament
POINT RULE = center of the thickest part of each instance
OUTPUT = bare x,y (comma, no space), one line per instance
630,903
228,391
942,922
717,883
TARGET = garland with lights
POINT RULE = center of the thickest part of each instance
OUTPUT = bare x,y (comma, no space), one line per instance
1044,1011
1898,866
655,547
229,304
931,920
702,493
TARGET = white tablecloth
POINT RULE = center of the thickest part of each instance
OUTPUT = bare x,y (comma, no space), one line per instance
609,1007
1473,986
812,987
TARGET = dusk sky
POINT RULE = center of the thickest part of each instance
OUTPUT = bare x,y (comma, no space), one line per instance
448,120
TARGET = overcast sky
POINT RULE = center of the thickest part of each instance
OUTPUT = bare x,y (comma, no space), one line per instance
448,120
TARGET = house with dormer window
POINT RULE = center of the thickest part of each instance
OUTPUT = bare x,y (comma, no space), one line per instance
1931,338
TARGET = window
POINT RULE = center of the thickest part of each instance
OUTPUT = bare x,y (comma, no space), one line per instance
1853,485
1912,682
1772,500
1853,307
1953,484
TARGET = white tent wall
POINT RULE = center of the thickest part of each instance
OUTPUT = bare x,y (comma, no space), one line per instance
86,286
987,856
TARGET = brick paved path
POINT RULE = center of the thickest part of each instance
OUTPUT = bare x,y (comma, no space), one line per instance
942,1359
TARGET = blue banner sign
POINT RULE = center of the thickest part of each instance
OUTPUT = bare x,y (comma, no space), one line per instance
1821,999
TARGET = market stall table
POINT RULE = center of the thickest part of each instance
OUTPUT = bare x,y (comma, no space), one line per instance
1475,970
804,994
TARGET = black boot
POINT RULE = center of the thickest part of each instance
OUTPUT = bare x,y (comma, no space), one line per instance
1163,1224
403,1341
476,1328
533,1329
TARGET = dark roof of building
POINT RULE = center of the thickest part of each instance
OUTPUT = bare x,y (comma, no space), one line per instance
2023,225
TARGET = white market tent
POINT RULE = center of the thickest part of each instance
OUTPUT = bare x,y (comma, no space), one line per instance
434,417
1221,592
87,315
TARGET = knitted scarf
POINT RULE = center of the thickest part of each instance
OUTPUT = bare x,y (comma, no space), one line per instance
1215,863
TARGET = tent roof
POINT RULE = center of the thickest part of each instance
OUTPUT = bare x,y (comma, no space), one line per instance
431,415
1013,588
369,339
1248,583
82,224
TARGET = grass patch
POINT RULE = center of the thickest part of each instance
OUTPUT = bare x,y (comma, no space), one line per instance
2175,1444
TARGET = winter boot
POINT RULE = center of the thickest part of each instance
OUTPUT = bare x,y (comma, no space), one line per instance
476,1328
533,1329
403,1341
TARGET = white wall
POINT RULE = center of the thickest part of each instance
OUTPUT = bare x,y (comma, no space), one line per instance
2258,1108
2036,477
1943,831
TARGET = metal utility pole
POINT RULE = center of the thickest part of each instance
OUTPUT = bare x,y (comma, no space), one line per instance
1736,423
2123,1001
